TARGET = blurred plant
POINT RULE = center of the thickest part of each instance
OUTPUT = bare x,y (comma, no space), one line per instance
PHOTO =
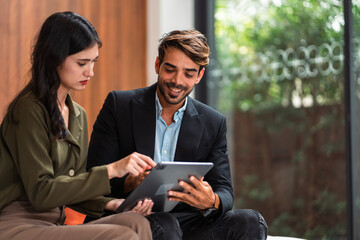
255,190
283,226
328,206
275,54
286,57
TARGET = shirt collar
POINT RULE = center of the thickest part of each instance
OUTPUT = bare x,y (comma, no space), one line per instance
179,113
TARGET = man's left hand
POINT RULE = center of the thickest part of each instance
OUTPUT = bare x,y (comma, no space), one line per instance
200,195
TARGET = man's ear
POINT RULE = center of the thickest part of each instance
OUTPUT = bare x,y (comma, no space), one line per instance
157,65
200,75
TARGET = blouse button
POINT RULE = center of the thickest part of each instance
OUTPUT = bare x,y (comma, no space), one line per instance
71,172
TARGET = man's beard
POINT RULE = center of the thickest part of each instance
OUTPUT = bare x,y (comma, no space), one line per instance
168,98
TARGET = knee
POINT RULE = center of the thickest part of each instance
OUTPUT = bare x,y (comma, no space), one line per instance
252,219
164,219
119,234
248,216
165,226
263,226
137,221
167,219
106,232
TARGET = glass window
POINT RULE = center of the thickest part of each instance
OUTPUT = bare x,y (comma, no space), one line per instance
278,76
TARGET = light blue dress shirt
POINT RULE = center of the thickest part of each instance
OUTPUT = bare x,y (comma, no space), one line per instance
166,136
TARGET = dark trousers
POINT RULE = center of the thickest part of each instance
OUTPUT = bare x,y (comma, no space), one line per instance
242,224
164,226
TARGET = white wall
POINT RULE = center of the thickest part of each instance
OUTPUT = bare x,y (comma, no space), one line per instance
164,16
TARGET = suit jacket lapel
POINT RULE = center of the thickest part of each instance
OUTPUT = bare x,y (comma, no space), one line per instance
190,134
143,113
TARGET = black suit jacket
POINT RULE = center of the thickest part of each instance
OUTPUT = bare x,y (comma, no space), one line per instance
126,124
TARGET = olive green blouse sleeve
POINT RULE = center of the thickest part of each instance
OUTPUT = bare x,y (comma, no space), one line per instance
50,169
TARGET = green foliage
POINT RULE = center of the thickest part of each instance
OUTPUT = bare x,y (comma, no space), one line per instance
255,189
258,43
326,233
326,203
328,206
283,226
292,28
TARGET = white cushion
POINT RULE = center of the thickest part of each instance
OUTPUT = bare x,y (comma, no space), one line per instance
282,238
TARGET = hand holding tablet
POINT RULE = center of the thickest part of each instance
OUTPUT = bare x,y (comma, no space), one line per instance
164,177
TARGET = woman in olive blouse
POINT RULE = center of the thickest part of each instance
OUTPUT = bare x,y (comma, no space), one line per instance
44,144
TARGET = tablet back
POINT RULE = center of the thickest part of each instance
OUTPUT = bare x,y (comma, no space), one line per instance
164,177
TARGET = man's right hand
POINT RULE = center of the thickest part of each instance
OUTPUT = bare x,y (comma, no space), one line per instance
134,164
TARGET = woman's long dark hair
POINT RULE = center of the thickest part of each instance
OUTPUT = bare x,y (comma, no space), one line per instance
61,35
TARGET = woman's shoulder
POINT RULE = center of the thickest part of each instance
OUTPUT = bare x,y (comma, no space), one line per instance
29,104
27,112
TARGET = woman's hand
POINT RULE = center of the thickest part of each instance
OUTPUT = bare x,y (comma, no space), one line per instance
134,164
143,207
114,204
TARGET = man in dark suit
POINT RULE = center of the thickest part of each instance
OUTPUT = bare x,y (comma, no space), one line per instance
163,122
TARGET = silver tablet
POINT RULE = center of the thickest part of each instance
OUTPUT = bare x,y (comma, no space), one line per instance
162,178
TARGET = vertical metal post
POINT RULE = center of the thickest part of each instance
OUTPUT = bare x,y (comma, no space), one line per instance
348,54
204,22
